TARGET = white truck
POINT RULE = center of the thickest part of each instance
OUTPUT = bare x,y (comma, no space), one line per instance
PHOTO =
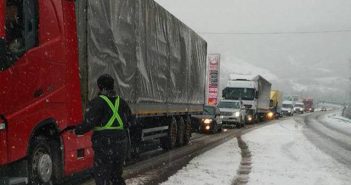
299,107
253,90
288,108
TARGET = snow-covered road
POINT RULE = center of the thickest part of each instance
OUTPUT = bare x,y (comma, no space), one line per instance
217,166
281,154
331,133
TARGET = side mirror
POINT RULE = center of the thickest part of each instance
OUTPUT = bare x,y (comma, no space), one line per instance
256,94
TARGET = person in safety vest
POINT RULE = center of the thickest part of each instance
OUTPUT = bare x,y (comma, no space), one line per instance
107,115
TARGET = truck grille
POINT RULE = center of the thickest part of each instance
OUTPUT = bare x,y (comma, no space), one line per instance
226,113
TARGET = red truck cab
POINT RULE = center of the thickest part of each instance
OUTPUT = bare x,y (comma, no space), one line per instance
308,105
40,91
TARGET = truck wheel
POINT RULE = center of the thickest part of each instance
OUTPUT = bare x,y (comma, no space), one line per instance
214,127
245,122
181,131
40,162
170,141
241,123
219,129
256,117
187,133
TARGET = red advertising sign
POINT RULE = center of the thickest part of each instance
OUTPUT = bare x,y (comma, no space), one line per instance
213,78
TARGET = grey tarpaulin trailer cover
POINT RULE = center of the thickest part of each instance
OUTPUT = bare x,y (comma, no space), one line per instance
158,62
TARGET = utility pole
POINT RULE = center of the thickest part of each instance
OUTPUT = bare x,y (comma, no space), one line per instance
349,102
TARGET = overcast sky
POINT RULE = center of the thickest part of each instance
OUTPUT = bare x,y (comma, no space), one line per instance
302,46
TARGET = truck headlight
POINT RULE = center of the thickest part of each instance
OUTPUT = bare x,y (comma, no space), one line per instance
270,115
249,118
207,121
237,114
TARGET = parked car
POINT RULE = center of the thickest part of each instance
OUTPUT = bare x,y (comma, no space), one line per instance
233,113
324,109
208,122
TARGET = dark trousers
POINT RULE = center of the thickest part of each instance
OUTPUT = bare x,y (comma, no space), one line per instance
108,161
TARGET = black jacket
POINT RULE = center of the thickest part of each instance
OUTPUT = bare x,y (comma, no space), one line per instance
98,113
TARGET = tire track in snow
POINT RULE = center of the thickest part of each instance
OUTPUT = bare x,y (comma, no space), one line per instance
245,164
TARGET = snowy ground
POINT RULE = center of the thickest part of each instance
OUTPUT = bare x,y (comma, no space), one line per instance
217,166
338,122
281,154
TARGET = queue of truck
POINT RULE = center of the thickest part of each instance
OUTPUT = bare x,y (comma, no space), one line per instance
250,99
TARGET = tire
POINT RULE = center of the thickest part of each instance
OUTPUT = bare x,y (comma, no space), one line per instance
245,121
240,123
220,129
256,117
170,141
181,131
188,130
40,162
214,128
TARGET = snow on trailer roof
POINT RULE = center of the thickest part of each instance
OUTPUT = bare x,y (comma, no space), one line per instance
242,77
237,76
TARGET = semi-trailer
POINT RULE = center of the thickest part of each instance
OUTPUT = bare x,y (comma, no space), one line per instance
48,74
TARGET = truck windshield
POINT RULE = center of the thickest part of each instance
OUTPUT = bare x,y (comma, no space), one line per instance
237,93
230,105
209,111
298,105
287,106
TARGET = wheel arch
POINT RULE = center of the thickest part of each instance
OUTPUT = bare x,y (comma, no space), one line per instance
49,129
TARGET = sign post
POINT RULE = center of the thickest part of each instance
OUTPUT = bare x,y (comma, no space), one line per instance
213,78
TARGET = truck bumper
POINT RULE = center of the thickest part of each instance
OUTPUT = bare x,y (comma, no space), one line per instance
230,121
285,113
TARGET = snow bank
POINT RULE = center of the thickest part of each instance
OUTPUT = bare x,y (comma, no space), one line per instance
217,166
338,122
281,154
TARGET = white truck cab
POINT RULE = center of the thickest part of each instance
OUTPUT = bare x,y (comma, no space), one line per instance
288,108
299,107
254,93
